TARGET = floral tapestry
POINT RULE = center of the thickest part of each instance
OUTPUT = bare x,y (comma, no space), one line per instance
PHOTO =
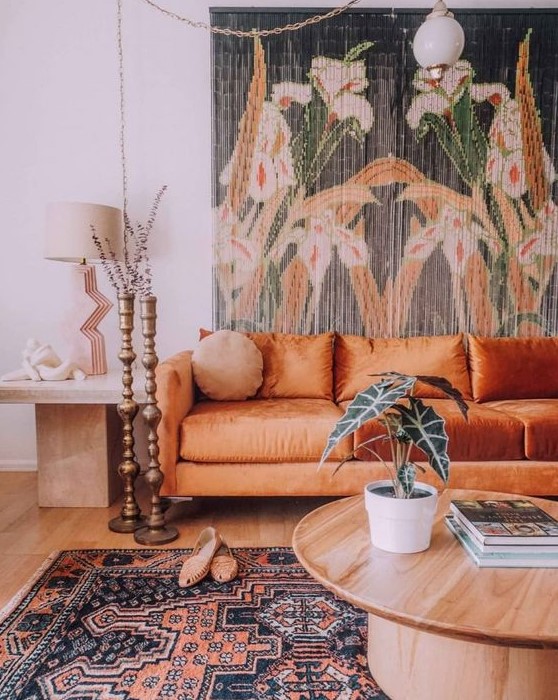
352,192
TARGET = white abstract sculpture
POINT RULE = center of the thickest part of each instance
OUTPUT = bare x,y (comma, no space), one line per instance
41,363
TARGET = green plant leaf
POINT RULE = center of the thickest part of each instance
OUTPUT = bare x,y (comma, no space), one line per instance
366,405
406,475
448,389
427,431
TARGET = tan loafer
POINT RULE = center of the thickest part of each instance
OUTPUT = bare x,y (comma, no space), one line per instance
224,567
196,566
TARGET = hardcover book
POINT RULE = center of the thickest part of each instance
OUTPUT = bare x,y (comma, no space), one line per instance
515,557
506,522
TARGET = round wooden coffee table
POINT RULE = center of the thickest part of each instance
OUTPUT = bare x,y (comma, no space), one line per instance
439,627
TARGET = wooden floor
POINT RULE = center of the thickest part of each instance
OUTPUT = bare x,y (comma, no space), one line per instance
28,534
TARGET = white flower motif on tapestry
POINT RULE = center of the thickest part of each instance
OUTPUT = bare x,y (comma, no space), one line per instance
544,240
284,94
507,172
438,96
339,84
422,243
505,164
272,164
456,231
315,245
273,168
233,251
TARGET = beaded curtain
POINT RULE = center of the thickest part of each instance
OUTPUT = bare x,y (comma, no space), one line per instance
352,192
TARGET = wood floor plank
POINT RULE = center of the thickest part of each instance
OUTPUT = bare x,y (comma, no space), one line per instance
29,534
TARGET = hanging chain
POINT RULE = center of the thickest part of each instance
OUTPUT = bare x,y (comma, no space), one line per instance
295,26
315,19
122,109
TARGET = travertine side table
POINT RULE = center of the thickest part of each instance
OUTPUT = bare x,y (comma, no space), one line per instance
79,437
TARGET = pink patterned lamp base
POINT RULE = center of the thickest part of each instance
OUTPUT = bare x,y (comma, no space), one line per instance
88,346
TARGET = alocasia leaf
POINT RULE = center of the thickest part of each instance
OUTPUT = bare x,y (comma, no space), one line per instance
427,431
406,476
366,405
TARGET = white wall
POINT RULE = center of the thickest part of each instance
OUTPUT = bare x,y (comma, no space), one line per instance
59,140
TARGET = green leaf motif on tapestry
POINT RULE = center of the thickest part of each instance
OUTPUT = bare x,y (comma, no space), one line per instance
446,139
473,143
278,221
354,129
326,149
273,282
499,282
496,216
314,124
508,327
355,52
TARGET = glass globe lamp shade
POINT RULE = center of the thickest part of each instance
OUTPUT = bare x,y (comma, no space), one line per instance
438,43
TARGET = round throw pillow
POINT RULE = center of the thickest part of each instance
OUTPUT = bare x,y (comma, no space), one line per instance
227,366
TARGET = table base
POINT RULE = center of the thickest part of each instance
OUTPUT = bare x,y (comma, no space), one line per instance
78,450
409,663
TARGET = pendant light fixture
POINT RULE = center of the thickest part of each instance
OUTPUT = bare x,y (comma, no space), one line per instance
439,41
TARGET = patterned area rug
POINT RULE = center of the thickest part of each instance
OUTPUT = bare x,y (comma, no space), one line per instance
114,624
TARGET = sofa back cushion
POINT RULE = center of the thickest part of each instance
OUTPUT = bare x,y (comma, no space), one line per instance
513,368
356,358
294,366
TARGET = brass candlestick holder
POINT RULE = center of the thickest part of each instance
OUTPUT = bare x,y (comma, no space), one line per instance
156,531
130,517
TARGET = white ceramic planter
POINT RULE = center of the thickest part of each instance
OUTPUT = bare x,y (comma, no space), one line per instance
402,525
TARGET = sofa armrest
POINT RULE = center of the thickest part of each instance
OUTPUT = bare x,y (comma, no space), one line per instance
175,398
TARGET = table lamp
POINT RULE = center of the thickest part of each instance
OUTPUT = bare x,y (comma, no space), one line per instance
69,239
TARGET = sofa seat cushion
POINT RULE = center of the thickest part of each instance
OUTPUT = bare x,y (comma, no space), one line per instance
356,358
540,418
269,430
487,435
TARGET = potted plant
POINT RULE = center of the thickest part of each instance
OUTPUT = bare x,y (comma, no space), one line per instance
400,509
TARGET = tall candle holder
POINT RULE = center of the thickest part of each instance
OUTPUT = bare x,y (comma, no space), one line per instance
156,531
130,517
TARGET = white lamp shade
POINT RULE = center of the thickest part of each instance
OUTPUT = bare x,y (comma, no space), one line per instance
439,41
68,231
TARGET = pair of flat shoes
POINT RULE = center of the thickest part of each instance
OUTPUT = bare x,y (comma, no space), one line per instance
211,555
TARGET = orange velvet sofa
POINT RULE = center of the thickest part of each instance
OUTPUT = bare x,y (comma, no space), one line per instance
271,444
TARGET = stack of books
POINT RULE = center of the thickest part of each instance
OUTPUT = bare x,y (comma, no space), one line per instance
505,533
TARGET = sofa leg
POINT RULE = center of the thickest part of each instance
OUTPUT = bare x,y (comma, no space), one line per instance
166,503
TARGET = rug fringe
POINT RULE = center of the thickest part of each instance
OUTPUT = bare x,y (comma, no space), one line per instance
27,586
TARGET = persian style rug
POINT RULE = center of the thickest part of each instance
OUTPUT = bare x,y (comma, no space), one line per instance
115,625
